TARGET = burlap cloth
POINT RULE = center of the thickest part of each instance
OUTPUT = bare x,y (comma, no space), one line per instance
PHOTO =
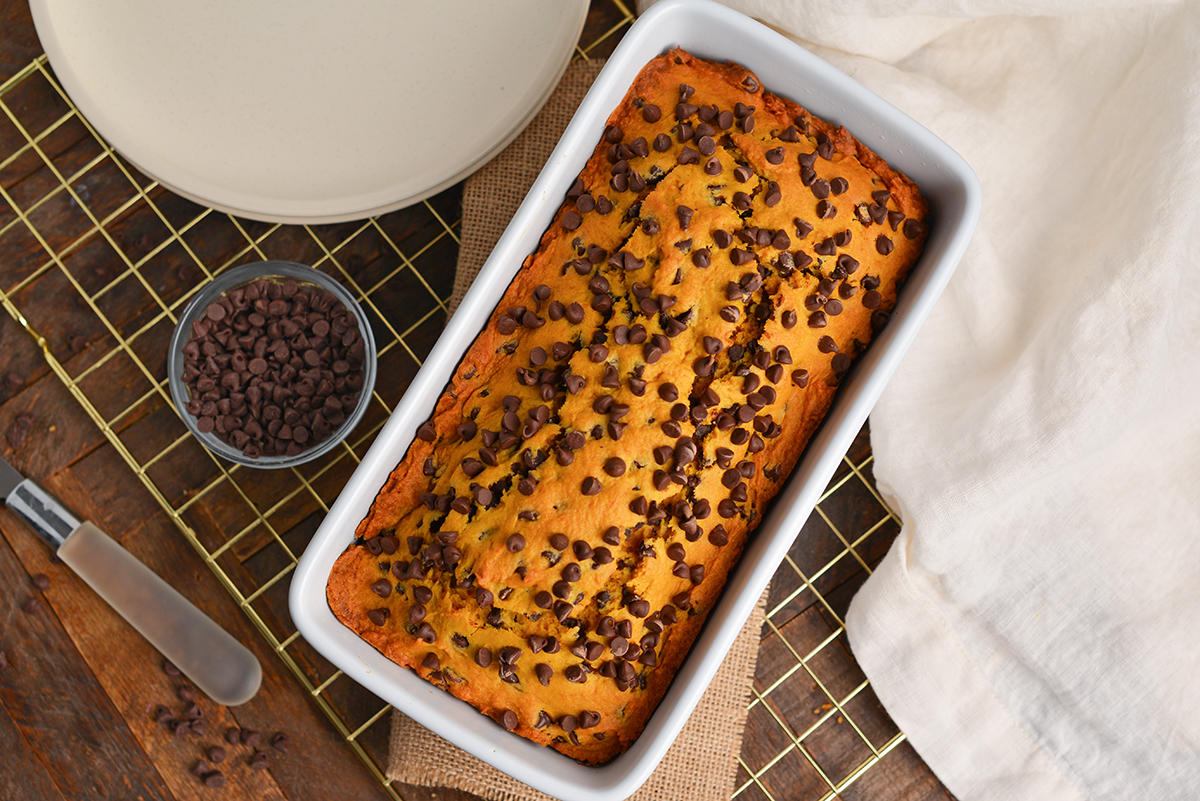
702,763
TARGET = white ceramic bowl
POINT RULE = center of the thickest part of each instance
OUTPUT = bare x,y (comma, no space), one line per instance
948,183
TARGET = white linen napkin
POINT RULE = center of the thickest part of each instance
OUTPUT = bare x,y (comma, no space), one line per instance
1034,628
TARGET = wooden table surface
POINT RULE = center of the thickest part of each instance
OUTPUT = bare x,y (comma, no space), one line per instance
79,688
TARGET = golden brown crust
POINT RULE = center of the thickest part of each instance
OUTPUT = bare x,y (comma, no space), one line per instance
753,339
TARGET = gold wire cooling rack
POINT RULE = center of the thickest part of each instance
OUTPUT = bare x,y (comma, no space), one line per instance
88,228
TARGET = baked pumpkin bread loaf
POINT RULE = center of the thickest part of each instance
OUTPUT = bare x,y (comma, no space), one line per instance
549,546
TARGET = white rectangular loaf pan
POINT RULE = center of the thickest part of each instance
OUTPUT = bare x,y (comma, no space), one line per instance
714,32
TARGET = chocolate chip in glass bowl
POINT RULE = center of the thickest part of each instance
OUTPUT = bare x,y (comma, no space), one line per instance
273,362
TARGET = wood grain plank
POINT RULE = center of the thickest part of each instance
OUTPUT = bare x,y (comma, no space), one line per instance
22,364
55,700
62,432
22,774
318,765
19,39
900,776
129,670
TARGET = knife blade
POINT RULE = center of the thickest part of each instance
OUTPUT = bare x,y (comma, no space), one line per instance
219,665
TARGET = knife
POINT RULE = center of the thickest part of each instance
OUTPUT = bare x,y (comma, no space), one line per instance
219,665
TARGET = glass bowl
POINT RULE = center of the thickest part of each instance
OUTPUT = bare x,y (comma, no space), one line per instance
275,271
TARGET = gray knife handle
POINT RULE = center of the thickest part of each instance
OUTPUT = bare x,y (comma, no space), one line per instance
207,654
45,515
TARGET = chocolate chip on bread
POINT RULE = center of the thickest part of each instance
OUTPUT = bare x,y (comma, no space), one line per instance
549,546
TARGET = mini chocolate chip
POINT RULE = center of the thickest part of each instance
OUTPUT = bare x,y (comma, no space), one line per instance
913,229
483,657
615,466
562,610
883,245
684,214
